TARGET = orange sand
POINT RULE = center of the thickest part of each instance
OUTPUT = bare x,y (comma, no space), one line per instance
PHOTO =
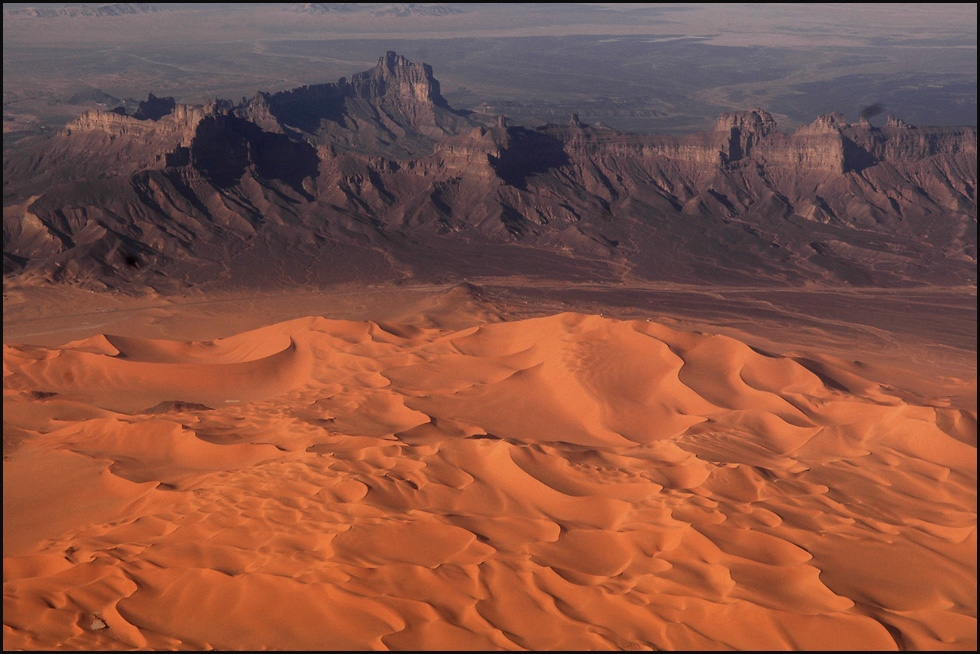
568,482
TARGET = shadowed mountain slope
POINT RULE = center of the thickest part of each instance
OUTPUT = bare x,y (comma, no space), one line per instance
376,177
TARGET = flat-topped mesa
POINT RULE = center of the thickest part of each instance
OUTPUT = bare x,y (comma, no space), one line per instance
396,79
155,118
738,139
898,142
741,137
817,147
148,139
829,144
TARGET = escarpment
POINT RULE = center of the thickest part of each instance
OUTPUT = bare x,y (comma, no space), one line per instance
376,176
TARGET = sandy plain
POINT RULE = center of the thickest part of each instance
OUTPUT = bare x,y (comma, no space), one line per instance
491,466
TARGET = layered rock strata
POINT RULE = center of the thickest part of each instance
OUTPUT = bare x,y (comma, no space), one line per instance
383,161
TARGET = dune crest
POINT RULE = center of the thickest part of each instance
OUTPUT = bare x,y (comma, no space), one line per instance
567,482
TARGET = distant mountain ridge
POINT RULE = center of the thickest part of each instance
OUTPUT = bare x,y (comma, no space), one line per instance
376,177
90,10
102,10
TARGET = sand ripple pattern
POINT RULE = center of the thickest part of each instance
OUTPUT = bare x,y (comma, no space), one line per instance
569,482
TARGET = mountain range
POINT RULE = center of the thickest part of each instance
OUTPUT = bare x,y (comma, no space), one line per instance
377,178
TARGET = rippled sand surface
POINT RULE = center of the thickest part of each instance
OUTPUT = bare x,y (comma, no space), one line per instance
565,482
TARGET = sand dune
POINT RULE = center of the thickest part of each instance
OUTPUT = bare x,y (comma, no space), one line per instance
126,374
568,482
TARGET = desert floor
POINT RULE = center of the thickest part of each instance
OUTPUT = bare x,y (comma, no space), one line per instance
500,464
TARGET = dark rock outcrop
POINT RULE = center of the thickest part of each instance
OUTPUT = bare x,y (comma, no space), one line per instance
376,176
